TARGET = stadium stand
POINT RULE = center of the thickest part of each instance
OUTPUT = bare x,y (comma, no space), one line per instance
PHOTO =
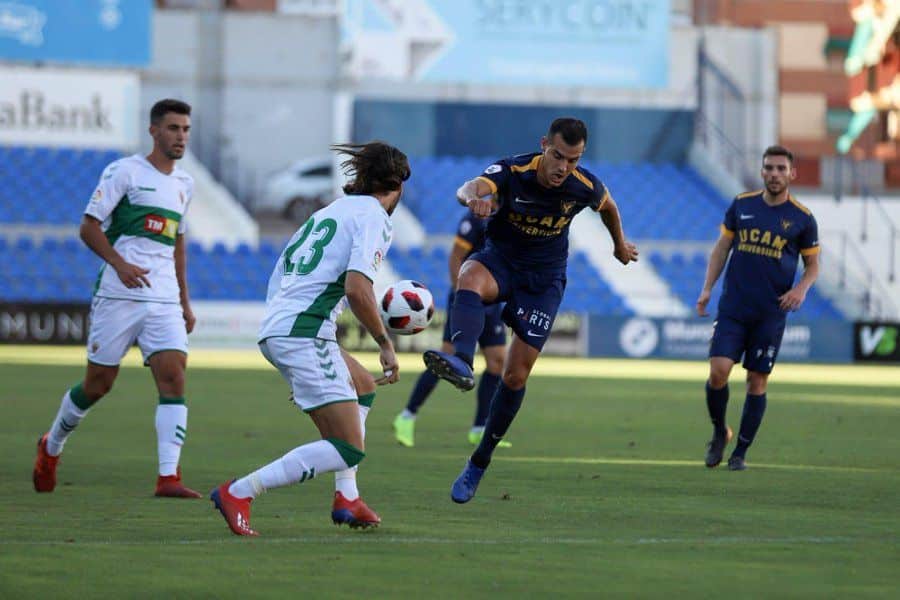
685,273
50,187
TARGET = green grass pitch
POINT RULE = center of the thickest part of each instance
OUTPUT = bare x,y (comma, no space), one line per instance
603,494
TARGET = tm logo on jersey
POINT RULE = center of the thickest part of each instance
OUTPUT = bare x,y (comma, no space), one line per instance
161,226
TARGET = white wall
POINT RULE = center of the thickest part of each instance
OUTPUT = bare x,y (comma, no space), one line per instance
261,86
749,58
863,263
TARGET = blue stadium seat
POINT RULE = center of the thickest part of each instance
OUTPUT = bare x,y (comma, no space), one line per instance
44,185
685,274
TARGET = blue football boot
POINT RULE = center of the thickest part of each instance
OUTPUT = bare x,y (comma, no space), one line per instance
450,368
466,484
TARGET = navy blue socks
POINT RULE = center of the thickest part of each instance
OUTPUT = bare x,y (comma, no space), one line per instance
754,409
716,403
466,323
487,385
505,405
424,386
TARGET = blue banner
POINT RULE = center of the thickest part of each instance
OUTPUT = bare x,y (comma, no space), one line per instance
592,43
89,32
821,340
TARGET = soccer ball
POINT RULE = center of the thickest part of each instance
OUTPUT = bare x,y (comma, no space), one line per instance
407,307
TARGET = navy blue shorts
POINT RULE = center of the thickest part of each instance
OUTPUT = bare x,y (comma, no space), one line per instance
757,340
494,332
532,298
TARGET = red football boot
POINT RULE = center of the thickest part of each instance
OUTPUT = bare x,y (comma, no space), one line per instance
170,486
355,513
44,473
235,510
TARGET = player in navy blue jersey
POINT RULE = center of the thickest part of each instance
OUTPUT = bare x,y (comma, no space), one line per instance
765,231
523,263
469,239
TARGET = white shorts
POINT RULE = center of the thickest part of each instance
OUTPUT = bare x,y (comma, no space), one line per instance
313,368
117,324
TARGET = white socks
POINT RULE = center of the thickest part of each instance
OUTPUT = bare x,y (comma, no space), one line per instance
300,464
345,481
67,419
171,429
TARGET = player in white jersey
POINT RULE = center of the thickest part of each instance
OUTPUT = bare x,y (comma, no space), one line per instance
135,223
328,264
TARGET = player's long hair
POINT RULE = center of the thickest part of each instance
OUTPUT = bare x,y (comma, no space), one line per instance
374,168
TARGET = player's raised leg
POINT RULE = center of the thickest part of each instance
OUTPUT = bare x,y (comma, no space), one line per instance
76,402
168,369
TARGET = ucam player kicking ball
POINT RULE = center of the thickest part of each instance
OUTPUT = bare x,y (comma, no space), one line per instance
523,263
329,263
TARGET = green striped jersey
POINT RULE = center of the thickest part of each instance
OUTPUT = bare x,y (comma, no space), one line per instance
142,211
306,289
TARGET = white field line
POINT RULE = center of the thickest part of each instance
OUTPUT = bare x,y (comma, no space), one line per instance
374,537
697,464
411,366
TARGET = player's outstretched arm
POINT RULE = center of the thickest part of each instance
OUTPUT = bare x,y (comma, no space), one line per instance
717,259
361,297
476,194
181,275
794,297
623,250
94,238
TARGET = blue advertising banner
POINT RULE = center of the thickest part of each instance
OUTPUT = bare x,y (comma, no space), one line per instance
89,32
595,43
804,341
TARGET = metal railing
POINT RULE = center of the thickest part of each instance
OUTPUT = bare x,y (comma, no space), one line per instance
720,124
856,291
870,199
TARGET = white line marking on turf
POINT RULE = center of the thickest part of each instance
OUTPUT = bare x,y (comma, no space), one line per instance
697,464
593,368
374,538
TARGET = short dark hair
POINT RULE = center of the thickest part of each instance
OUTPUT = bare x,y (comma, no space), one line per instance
778,151
571,129
167,105
376,167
